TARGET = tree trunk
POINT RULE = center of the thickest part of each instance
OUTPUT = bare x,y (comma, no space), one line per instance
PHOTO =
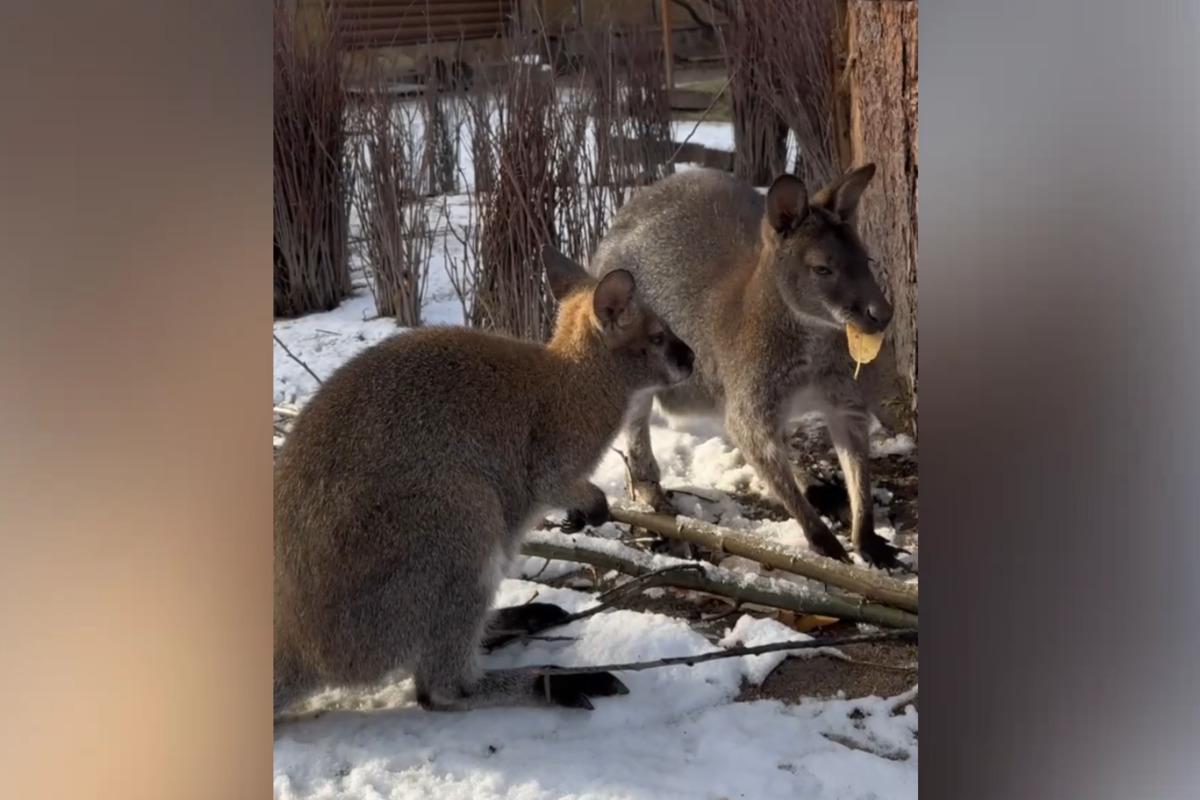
881,46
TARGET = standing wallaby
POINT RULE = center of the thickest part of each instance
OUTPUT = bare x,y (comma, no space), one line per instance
409,478
762,289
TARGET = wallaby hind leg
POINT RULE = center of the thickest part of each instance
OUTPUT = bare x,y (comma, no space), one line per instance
449,677
755,429
849,430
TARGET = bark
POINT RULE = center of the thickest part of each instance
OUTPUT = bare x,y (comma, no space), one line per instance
880,95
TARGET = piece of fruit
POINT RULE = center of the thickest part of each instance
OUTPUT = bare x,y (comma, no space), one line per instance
863,346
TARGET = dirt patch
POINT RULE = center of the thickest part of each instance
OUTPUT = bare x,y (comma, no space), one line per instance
884,669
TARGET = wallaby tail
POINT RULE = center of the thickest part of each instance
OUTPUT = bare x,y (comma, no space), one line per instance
526,687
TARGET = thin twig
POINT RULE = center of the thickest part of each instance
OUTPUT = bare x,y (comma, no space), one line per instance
703,115
734,652
901,700
296,358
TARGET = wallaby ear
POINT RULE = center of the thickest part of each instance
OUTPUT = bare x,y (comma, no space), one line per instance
842,196
563,274
787,203
613,296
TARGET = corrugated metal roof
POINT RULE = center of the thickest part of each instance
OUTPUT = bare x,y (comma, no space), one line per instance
384,23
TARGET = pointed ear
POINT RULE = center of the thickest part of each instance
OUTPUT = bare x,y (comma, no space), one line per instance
613,297
787,203
563,274
842,196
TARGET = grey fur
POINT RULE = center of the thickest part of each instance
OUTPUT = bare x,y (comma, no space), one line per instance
409,478
761,288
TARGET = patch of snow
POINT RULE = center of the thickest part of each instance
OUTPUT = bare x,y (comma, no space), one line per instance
899,445
754,632
709,133
677,734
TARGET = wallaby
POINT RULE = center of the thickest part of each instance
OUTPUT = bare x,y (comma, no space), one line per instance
761,288
409,478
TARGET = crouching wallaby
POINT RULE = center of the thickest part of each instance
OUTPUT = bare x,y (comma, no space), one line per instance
762,289
408,480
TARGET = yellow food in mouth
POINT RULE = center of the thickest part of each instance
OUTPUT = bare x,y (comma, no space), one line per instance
864,347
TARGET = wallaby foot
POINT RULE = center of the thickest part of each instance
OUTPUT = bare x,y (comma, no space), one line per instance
524,687
877,552
651,493
508,623
573,691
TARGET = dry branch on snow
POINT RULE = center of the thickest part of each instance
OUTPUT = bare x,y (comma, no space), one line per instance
740,587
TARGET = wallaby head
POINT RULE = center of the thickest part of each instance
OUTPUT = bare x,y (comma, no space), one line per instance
817,252
607,315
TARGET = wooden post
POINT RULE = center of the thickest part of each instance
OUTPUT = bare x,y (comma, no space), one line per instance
665,13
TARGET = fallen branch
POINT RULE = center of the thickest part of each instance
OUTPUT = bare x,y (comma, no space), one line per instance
734,652
297,359
739,587
872,585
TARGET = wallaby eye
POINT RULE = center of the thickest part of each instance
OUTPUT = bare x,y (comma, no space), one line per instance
657,340
823,271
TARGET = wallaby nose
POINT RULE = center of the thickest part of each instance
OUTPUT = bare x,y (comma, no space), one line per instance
880,312
682,355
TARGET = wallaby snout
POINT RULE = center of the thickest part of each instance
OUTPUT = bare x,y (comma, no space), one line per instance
681,358
874,314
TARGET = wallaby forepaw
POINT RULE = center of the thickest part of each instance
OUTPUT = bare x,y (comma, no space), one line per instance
876,551
573,691
578,519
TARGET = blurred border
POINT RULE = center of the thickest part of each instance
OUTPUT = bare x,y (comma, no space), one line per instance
135,469
1059,275
1059,283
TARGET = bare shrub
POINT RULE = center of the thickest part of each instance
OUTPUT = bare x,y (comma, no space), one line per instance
311,193
395,231
441,141
553,160
517,216
780,56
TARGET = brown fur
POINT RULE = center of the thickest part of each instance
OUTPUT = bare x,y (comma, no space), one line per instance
410,477
761,287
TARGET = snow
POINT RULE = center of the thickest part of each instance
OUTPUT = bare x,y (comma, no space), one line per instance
716,135
677,734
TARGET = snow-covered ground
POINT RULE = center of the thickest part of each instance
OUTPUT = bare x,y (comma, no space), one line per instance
678,733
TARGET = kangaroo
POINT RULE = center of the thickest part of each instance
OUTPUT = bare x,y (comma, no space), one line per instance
761,287
410,477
